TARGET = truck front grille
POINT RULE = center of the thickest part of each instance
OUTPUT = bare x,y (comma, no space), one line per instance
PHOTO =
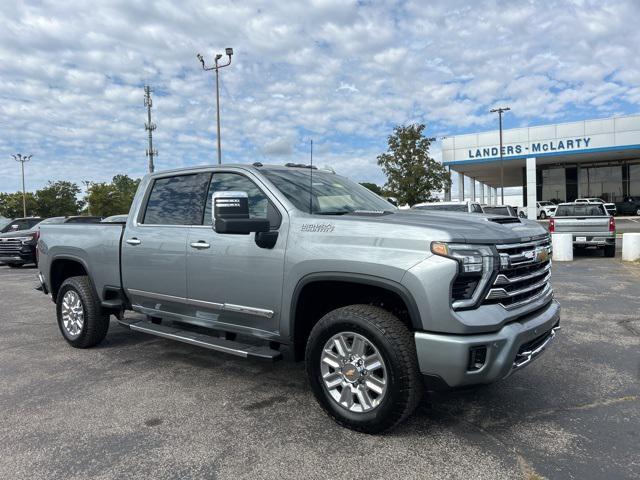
524,273
9,247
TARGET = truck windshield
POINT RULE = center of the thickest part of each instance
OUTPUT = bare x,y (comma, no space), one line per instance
584,210
331,194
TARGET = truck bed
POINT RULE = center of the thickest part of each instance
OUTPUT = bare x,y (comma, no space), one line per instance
96,246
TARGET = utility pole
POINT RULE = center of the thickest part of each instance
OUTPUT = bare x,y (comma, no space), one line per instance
22,159
229,52
500,111
150,127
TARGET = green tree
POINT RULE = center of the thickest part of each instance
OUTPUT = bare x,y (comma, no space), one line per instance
59,199
11,204
373,187
411,174
105,199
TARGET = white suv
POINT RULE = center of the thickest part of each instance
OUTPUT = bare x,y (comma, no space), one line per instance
466,206
610,207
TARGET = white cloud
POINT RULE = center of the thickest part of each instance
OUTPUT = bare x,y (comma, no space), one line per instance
340,72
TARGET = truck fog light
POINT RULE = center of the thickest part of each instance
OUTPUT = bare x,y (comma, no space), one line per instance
477,357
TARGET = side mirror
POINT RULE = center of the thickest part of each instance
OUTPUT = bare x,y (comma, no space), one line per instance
231,214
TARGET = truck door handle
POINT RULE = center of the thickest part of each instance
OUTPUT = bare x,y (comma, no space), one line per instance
200,244
133,241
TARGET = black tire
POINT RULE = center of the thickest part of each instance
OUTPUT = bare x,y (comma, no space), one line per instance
610,251
95,324
396,345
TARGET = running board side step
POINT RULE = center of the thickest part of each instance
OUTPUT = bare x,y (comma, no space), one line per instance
206,341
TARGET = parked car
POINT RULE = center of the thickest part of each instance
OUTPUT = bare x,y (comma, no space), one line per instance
467,206
544,210
611,207
249,261
115,219
590,224
19,224
18,248
629,206
505,210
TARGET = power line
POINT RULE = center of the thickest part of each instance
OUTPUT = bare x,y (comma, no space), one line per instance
150,126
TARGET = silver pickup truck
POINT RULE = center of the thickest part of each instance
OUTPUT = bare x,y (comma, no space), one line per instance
271,261
590,224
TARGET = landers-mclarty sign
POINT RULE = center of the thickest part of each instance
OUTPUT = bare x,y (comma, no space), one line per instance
577,143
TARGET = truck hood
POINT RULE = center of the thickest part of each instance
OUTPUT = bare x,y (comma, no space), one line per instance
462,227
17,233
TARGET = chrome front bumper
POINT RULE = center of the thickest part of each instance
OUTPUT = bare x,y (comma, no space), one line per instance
514,346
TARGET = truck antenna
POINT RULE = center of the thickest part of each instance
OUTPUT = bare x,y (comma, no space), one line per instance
311,181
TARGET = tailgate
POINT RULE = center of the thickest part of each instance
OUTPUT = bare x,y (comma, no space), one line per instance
581,224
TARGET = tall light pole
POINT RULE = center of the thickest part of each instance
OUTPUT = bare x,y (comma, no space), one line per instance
22,159
229,52
500,111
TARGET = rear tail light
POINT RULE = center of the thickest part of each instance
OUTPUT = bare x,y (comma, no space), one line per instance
612,224
552,225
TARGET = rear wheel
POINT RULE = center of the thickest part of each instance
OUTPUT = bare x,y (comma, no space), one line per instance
610,251
363,368
80,316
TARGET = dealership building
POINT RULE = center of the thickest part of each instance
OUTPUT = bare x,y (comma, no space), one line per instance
561,162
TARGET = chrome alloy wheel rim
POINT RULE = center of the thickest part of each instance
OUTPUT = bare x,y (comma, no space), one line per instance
353,371
72,313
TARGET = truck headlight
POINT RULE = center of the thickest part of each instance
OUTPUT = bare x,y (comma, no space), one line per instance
475,266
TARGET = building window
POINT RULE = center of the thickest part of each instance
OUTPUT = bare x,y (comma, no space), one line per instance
601,182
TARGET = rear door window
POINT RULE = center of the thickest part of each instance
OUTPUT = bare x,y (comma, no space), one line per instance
177,200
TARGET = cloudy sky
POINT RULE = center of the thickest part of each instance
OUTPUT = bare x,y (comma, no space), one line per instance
341,72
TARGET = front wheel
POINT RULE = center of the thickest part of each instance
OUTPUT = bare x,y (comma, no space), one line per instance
363,369
80,316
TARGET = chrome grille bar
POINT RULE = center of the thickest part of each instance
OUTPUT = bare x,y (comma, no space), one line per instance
524,273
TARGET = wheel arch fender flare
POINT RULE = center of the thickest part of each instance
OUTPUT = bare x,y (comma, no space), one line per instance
68,258
356,278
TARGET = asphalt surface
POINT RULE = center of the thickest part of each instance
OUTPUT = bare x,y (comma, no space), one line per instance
142,407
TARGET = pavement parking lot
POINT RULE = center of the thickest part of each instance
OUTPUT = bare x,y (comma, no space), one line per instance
142,407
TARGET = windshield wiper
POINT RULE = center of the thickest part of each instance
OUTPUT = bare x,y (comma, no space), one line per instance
335,212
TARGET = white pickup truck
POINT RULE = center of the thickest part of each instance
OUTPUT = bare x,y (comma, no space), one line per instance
590,224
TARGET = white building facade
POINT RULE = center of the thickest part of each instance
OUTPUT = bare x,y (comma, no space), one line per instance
561,162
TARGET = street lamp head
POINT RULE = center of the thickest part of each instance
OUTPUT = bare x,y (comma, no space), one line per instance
218,57
228,51
201,59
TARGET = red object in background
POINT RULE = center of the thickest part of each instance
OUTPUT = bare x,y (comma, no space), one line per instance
552,225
